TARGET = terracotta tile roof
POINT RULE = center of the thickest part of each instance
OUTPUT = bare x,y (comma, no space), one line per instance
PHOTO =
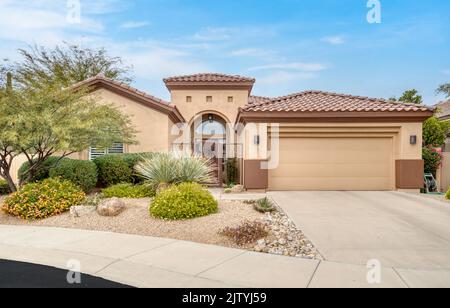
316,101
443,109
123,85
127,90
208,77
257,100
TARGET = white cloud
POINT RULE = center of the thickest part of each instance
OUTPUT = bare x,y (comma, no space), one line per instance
333,40
134,24
250,52
214,34
446,72
299,66
283,77
44,20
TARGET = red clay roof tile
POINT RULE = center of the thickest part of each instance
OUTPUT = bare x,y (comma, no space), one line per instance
317,101
208,77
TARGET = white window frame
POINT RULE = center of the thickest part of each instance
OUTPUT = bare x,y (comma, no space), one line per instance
117,148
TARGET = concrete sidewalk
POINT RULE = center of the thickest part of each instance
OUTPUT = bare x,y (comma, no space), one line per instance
155,262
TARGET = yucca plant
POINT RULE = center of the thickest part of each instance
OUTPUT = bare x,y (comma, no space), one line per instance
163,170
160,170
194,169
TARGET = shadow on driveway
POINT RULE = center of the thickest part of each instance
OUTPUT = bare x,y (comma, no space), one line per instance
25,275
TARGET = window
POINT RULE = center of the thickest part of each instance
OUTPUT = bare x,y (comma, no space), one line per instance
209,99
230,99
117,148
188,99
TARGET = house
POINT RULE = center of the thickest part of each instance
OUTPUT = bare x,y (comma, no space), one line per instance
305,141
443,174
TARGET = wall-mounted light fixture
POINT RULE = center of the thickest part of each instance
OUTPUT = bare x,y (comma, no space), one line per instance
210,118
413,139
257,140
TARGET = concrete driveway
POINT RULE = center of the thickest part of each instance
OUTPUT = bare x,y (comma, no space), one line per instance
400,230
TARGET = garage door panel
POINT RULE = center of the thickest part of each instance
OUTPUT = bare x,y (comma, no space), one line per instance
330,184
334,164
333,156
332,170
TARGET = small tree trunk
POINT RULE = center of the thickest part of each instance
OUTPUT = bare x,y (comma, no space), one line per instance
11,184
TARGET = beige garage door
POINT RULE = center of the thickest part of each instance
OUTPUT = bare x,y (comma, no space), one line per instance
334,164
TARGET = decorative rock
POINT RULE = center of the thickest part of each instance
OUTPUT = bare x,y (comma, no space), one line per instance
285,238
237,189
282,241
111,207
80,211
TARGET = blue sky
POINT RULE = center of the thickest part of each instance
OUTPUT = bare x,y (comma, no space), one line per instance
288,45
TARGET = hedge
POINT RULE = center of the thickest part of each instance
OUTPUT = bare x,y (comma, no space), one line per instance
80,172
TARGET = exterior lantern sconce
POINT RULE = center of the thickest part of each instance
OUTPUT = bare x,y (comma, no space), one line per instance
257,140
413,140
210,118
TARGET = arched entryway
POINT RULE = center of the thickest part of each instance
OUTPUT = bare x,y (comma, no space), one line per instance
210,134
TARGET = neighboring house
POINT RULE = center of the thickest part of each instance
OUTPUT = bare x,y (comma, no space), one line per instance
443,114
314,140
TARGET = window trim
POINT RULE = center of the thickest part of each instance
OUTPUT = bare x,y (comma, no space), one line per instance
109,151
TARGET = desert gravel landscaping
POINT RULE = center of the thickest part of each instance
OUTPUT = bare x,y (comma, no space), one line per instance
284,238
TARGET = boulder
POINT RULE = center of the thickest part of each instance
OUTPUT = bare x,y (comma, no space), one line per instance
80,211
237,189
111,207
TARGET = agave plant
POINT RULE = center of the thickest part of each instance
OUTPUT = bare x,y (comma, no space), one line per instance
165,169
160,170
194,169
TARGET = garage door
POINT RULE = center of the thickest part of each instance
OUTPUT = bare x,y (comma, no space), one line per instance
334,164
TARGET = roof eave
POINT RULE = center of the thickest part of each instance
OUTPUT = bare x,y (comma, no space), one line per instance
156,104
336,117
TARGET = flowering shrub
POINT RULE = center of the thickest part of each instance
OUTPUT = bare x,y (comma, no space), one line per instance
184,201
129,191
44,199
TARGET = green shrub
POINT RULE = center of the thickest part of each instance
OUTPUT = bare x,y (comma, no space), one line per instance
264,206
247,233
132,160
4,188
183,201
44,199
447,195
129,191
112,170
42,173
165,169
231,171
80,172
432,159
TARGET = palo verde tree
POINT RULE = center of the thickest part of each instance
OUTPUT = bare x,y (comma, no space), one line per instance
8,137
42,115
50,121
444,89
66,65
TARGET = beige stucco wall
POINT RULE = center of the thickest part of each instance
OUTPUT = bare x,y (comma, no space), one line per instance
401,133
219,105
444,173
393,137
152,126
